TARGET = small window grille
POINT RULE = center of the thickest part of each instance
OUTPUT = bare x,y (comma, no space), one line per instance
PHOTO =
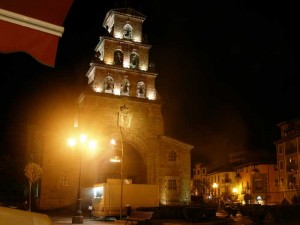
172,155
65,179
172,184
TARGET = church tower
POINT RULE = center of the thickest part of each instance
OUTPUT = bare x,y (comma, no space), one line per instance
122,103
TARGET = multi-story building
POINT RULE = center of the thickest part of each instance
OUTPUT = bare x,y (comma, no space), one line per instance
218,183
256,183
253,182
221,183
120,102
288,159
199,182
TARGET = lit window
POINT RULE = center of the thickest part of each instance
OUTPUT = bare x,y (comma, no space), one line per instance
98,192
291,165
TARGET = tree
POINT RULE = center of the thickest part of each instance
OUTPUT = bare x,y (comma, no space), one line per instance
33,172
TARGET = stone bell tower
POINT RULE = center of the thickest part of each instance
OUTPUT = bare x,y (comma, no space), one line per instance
120,78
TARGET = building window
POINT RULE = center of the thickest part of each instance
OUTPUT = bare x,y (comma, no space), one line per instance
258,184
172,184
291,180
65,179
248,185
290,147
281,165
226,189
172,155
280,149
227,178
203,171
291,165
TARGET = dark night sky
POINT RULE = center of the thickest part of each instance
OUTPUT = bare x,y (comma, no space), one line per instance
228,70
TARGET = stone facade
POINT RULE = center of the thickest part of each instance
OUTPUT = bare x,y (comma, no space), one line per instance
117,79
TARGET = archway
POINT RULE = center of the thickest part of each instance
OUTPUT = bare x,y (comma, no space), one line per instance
135,168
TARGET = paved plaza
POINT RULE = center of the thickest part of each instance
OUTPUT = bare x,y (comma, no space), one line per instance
220,219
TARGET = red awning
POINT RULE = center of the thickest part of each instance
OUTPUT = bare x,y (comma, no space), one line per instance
33,26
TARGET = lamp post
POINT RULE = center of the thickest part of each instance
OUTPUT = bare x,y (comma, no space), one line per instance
124,121
83,142
119,160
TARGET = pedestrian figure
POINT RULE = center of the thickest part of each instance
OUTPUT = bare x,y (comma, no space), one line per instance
90,208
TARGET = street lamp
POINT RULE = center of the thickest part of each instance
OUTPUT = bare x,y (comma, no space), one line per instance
234,190
124,122
83,143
